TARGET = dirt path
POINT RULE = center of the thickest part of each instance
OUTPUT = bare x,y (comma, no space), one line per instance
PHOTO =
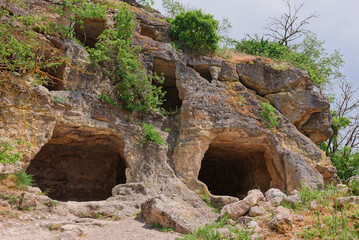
83,228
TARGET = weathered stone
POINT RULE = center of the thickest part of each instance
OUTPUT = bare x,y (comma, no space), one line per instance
299,105
346,201
318,127
27,200
282,220
228,72
215,71
265,77
225,233
298,218
174,213
34,190
256,211
273,193
238,209
266,205
313,205
90,209
71,227
292,201
342,188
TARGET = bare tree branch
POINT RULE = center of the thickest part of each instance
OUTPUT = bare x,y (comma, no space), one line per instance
288,27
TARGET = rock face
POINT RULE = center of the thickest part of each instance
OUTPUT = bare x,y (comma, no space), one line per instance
174,213
82,148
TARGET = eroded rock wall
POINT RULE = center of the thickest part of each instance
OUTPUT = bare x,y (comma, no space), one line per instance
219,120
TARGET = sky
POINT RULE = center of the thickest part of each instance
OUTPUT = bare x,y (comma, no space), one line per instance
338,23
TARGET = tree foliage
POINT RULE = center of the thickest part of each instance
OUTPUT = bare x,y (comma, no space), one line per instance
115,52
310,55
195,32
343,146
173,8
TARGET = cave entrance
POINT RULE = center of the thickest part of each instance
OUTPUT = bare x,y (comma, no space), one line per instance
168,71
230,168
203,70
79,164
90,30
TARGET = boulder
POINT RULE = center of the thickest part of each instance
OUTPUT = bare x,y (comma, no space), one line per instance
293,200
299,105
298,218
318,127
273,193
267,77
342,188
228,72
238,209
215,71
282,220
174,213
256,211
346,201
27,200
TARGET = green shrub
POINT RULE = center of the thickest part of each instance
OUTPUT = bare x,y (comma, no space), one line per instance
354,186
22,51
195,32
108,99
262,47
151,134
310,55
24,180
7,154
82,9
114,51
269,116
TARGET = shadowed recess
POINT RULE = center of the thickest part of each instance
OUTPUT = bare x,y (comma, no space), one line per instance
79,164
148,32
168,71
229,168
203,70
90,31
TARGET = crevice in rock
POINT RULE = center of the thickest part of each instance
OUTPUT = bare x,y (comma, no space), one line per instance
55,78
167,69
203,70
79,164
148,32
234,168
90,31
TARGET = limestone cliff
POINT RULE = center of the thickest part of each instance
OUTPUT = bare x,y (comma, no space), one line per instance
82,147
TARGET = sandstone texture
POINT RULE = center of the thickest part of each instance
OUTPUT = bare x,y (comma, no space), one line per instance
83,149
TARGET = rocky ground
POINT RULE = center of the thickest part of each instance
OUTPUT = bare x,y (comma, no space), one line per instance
330,213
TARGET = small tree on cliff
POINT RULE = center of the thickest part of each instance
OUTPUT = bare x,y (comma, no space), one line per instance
195,32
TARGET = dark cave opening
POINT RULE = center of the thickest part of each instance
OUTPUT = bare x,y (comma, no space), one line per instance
168,71
90,30
55,78
233,170
203,70
79,164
